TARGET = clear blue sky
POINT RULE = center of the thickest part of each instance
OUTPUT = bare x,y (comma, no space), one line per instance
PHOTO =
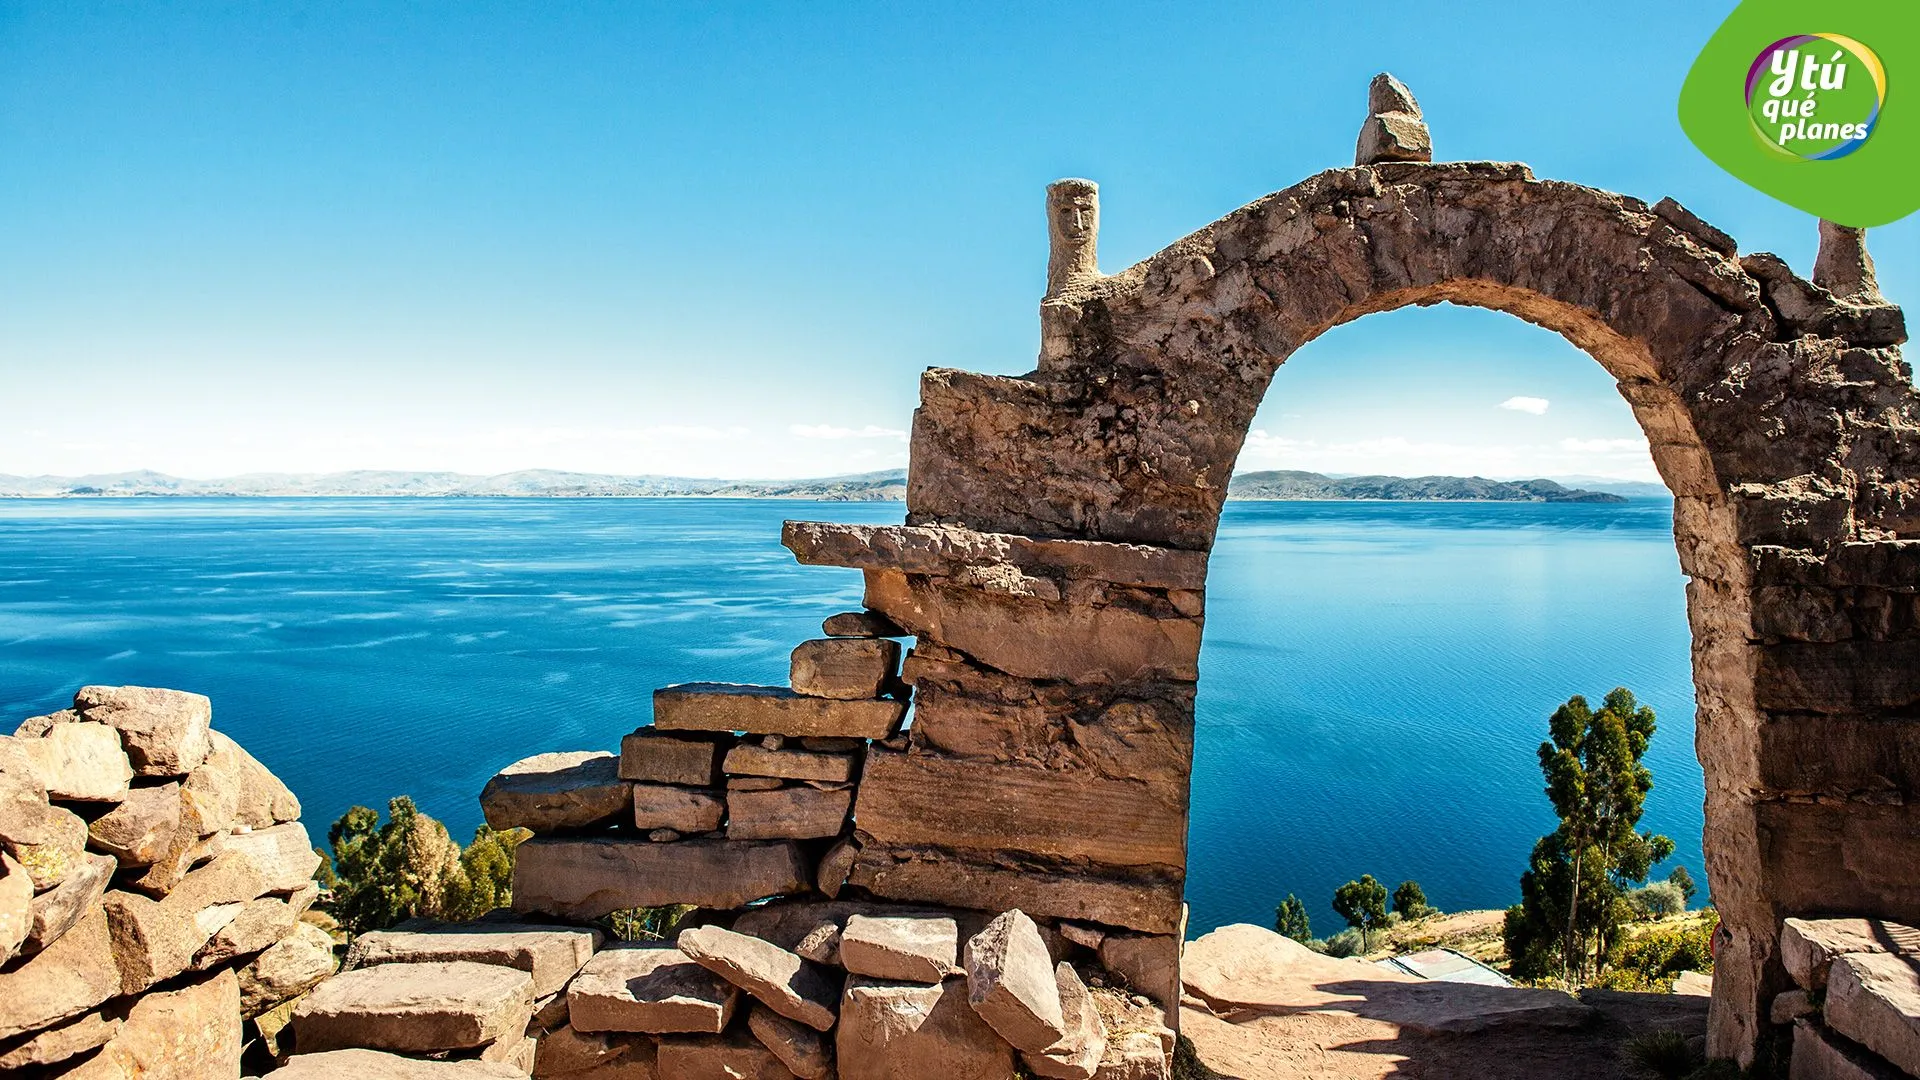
725,239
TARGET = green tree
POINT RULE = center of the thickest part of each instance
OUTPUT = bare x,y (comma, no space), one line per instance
1363,904
1290,919
1572,894
1410,901
382,874
1683,881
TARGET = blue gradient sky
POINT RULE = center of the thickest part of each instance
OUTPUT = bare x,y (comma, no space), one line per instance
724,239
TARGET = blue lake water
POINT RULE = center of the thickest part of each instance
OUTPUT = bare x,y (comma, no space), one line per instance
1375,676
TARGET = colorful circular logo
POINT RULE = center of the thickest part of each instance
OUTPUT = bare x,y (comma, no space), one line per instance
1815,97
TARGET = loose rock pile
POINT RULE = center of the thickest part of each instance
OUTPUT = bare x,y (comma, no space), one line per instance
1856,1014
153,876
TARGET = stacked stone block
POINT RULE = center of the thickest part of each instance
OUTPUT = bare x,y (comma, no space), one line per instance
1855,1009
153,879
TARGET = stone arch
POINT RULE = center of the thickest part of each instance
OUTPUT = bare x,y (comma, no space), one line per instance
1053,561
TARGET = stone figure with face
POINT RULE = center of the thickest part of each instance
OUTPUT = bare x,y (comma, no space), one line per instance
1073,220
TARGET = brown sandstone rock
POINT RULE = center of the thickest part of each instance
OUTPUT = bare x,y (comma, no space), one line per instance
287,968
55,911
858,624
68,978
770,710
551,954
556,792
262,801
835,865
1010,983
259,925
375,1065
181,856
1134,1055
1874,999
804,1052
589,877
1791,1005
844,668
415,1008
283,855
155,940
734,1056
750,760
1819,1055
650,987
755,783
35,726
1147,963
140,830
573,1055
165,731
796,988
933,876
788,813
896,1031
1808,947
657,757
60,1043
947,551
807,928
189,1033
684,810
81,763
50,841
902,948
1079,1052
211,794
16,906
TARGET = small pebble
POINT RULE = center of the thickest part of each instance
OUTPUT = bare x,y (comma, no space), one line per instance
663,836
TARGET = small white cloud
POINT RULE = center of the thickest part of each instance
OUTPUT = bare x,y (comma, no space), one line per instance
1535,405
828,431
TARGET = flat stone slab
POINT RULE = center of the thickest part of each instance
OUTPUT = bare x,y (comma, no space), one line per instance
903,948
734,1056
287,968
657,757
900,1031
165,732
1874,999
1808,947
555,792
861,624
1010,982
1078,1053
415,1008
684,810
551,954
844,668
796,988
282,854
55,911
374,1065
750,760
69,978
587,877
771,710
57,1044
805,1052
649,987
947,551
139,831
930,877
80,762
787,813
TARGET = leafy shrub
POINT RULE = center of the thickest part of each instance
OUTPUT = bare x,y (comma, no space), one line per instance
1290,919
1659,900
1660,1055
378,875
1410,901
1651,960
646,923
1348,942
1683,881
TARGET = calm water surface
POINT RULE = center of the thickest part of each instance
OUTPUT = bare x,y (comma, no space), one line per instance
1376,676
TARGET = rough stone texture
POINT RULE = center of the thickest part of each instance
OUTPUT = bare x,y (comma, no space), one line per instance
1818,1054
807,928
656,757
16,906
804,1051
551,954
898,1031
1808,947
1791,1006
154,940
749,760
1874,999
57,1044
556,792
771,710
172,868
70,977
684,810
1146,964
139,831
1134,1055
189,1033
55,911
283,855
262,800
835,865
844,668
734,1056
1010,982
375,1065
787,813
903,948
635,987
588,877
259,925
1078,1053
165,731
564,1052
858,624
1393,130
796,988
287,968
50,841
415,1008
81,763
932,876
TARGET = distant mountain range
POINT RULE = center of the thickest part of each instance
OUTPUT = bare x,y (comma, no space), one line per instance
887,486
